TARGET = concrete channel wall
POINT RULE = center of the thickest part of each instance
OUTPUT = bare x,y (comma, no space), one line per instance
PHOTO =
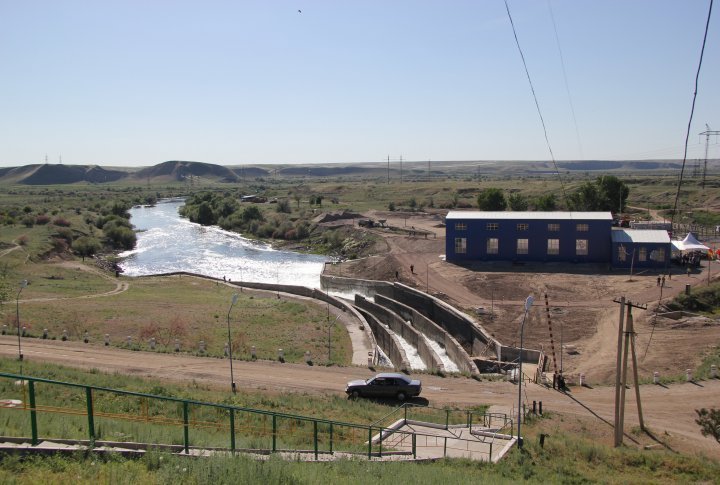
469,333
433,331
388,342
398,325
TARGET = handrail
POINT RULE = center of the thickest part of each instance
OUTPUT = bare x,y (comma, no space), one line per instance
186,423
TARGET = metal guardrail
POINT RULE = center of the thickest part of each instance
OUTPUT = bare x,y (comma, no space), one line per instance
316,434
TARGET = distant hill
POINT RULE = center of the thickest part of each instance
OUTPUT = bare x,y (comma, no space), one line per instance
181,170
201,172
60,174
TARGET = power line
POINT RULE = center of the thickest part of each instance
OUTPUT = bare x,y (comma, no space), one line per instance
537,104
567,85
692,112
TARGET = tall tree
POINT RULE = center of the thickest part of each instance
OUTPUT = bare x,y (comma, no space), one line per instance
546,202
517,202
612,192
491,199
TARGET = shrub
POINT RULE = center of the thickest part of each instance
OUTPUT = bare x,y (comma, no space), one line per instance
23,240
28,221
42,219
61,221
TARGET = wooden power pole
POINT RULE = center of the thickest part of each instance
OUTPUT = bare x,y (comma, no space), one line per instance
622,368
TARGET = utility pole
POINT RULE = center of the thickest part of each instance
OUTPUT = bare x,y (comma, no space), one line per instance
552,341
400,168
618,363
388,169
621,381
708,132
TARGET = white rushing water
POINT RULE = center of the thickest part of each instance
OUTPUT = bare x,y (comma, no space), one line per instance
167,243
416,363
449,365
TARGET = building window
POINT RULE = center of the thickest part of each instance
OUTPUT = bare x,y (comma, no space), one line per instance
522,246
642,254
581,247
492,245
553,227
622,254
460,245
582,228
523,227
460,226
553,246
492,226
658,254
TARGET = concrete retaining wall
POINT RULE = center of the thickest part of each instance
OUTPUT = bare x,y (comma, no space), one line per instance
343,284
433,331
471,336
388,342
398,325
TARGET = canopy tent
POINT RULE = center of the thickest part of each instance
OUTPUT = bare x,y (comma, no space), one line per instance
690,243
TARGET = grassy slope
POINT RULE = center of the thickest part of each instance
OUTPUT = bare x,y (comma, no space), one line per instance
576,457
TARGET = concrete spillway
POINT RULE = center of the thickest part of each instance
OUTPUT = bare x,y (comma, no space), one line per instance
449,365
416,363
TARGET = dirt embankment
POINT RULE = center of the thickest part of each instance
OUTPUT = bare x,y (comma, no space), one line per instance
582,312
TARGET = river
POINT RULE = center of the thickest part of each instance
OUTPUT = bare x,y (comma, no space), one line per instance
166,243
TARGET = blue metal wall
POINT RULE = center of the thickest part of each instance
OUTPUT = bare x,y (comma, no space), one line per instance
648,263
597,235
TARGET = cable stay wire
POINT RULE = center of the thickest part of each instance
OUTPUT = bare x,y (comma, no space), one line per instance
567,85
537,106
692,112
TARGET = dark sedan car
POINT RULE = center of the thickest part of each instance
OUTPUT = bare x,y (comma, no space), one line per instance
385,385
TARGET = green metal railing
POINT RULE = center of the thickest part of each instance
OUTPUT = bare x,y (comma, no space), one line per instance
205,420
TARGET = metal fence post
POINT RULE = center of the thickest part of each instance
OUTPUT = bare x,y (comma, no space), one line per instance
370,442
232,430
186,428
447,418
274,433
490,452
406,408
445,448
315,439
91,418
381,439
331,437
33,413
414,445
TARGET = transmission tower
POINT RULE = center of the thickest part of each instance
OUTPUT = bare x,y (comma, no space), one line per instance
708,133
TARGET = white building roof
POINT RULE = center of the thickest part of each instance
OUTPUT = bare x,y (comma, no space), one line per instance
628,236
530,215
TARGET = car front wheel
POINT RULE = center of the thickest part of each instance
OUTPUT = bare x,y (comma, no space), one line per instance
355,394
401,396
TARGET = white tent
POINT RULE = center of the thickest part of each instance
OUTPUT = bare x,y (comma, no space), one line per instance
690,243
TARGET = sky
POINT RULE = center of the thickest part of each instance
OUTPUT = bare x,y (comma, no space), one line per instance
139,82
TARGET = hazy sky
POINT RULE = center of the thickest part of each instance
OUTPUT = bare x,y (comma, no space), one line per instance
240,82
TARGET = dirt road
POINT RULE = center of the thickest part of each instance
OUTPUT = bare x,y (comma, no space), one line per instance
669,411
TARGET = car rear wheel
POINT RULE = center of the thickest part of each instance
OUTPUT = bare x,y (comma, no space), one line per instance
401,396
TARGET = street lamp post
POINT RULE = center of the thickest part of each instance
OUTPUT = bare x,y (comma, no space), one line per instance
232,376
23,284
528,303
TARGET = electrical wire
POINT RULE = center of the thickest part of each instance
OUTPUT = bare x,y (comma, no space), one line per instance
567,85
537,105
692,112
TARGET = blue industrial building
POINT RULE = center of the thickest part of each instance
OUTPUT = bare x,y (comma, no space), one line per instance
582,237
578,237
640,248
